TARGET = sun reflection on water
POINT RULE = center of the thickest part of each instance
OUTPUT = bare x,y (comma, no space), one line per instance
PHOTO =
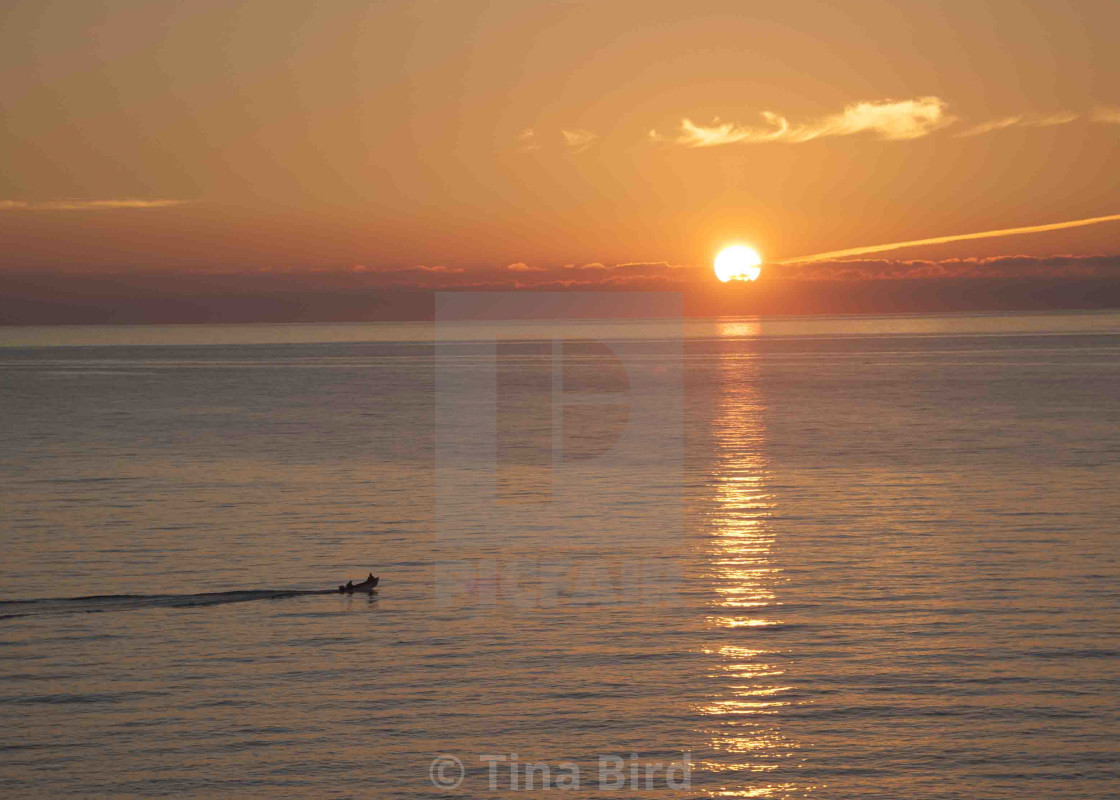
744,713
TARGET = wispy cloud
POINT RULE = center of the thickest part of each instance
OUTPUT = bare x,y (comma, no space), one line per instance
84,205
989,126
695,135
881,248
1021,120
1059,118
1011,266
888,119
575,140
636,274
420,276
1110,114
592,265
653,275
416,270
894,120
578,139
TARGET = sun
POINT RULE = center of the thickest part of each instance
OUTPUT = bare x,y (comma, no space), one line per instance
738,263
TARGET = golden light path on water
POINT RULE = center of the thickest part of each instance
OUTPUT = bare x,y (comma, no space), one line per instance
745,716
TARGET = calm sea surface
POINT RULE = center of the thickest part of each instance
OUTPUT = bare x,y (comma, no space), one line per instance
835,558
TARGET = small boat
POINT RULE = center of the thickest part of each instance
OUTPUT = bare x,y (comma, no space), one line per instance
365,587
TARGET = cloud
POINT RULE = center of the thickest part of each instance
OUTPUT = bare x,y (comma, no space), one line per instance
652,275
1035,121
632,273
1110,114
991,125
664,276
84,205
879,248
578,140
894,120
651,265
420,276
906,119
1010,266
417,270
421,268
694,135
1059,118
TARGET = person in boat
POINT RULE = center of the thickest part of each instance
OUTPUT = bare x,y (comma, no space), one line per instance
367,584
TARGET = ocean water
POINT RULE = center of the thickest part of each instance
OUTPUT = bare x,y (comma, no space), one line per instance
828,558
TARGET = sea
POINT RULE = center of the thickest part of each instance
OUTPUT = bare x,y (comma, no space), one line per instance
828,557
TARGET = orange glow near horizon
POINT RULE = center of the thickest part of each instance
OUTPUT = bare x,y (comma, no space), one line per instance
358,150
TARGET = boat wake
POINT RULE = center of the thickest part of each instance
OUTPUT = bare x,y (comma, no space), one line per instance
96,604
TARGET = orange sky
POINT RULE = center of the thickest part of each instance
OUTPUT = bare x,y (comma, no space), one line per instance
382,138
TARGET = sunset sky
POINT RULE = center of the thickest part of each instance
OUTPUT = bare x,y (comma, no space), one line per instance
506,144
